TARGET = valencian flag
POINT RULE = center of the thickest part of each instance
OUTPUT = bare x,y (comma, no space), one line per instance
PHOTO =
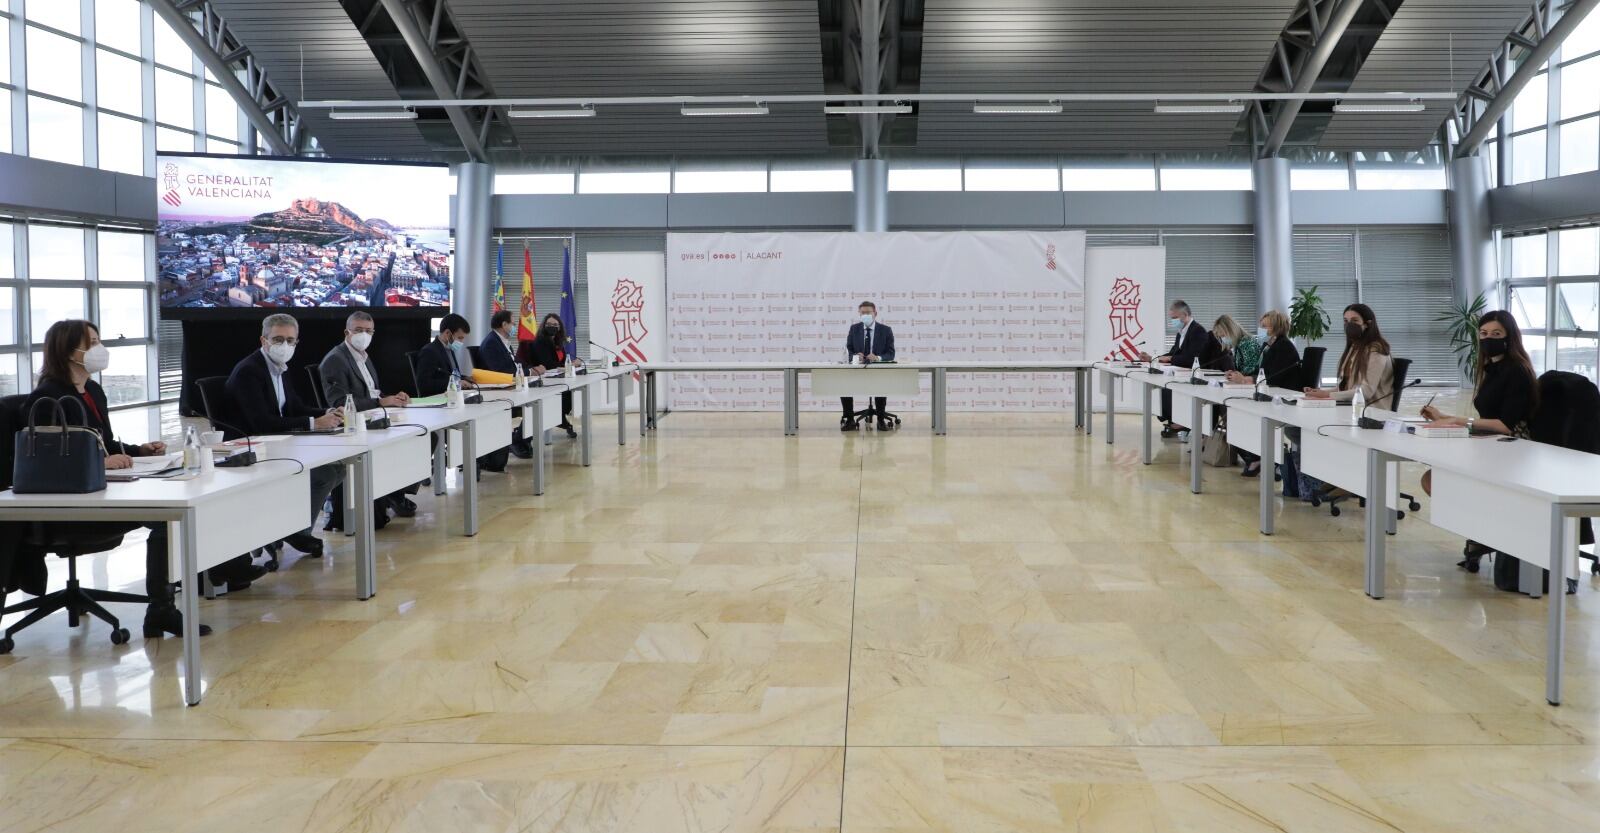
569,307
500,277
528,325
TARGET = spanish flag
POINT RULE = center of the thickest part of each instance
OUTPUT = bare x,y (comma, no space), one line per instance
528,326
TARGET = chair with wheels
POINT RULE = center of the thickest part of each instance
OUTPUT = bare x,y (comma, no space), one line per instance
1401,368
859,417
1569,416
33,541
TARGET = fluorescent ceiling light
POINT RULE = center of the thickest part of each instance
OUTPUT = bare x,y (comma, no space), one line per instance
1017,107
738,110
1199,107
372,115
896,108
551,112
1412,106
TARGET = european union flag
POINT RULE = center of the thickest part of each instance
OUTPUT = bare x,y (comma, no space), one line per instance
569,304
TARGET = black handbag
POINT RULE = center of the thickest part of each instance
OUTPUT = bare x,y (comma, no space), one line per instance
62,459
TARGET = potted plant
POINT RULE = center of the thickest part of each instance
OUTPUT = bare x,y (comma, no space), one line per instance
1461,323
1308,321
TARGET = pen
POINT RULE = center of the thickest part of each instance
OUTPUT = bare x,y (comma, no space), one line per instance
1429,402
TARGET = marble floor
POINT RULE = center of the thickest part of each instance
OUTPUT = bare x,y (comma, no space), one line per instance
1013,628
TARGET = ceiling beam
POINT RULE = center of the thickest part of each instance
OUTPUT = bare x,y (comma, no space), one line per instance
420,43
249,103
879,98
1327,39
1483,121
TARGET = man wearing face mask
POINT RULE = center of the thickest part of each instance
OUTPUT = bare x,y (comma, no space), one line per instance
1191,345
261,399
447,356
495,354
868,342
347,370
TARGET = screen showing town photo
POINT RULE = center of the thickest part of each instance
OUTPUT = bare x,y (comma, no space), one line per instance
279,233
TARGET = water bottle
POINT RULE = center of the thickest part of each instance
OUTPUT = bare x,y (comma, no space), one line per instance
351,416
518,380
567,368
193,451
452,393
1357,405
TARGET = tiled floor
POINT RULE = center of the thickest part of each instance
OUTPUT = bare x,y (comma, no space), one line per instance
1011,628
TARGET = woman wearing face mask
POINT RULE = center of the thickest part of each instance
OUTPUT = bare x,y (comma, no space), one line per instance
1278,366
72,355
1243,351
1506,395
1365,364
549,351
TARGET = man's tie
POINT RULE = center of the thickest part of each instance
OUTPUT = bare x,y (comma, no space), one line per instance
869,341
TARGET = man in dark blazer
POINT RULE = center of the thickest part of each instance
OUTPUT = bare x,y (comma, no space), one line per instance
867,342
494,353
1192,346
347,370
260,400
441,359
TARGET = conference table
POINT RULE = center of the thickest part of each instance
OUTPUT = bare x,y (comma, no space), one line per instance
877,379
541,409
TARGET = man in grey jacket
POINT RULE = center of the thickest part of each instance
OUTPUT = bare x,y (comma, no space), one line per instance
348,371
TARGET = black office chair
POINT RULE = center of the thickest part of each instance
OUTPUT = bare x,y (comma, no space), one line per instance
859,416
213,392
411,361
28,541
473,351
1401,368
314,373
1569,416
1311,366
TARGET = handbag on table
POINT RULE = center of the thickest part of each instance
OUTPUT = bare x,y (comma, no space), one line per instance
64,458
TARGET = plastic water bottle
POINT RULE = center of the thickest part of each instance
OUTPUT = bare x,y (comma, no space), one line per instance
453,396
351,416
518,380
193,451
1357,405
567,368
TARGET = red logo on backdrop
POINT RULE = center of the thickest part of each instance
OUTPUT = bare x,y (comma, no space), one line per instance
1125,326
627,319
1050,257
169,181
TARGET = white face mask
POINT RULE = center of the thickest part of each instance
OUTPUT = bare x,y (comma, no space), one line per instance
866,320
1175,323
1227,341
361,341
1261,334
280,353
96,358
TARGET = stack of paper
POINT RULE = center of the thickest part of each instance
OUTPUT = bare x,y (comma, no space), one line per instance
1308,402
1441,432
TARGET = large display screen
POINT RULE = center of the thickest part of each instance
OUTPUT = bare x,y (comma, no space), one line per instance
237,232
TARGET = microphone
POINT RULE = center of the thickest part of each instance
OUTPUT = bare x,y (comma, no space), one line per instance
609,352
1261,397
1366,422
236,461
1195,380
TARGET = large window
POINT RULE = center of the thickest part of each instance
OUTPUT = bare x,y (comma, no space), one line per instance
1555,121
1553,289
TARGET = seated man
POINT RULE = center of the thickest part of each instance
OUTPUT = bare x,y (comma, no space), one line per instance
1192,346
347,370
495,353
444,357
868,342
261,401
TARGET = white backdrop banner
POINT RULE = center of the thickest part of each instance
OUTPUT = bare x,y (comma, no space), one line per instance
1125,315
627,310
959,296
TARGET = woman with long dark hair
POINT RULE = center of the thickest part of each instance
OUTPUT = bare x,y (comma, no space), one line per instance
72,355
549,350
1506,395
1366,364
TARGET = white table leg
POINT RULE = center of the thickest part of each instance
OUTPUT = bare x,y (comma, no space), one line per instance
190,606
1111,406
535,417
1145,449
469,474
1377,508
644,379
791,385
1085,394
941,409
1556,633
441,460
349,503
358,482
586,442
1269,458
622,409
1196,439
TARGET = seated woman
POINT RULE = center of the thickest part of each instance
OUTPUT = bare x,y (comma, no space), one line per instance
1279,366
72,355
1366,364
1506,395
1242,352
549,351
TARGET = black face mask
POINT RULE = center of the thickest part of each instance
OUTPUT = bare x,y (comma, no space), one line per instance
1352,330
1494,348
552,331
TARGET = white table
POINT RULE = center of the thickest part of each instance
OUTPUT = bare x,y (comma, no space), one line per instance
480,428
937,371
1522,498
538,401
211,518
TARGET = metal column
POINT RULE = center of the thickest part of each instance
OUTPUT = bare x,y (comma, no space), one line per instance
1274,235
474,225
871,185
1473,265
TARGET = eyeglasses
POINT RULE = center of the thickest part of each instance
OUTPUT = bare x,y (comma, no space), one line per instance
289,340
367,330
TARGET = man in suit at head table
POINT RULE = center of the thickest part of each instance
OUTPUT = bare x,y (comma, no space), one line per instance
261,401
447,356
1192,346
347,371
868,341
496,353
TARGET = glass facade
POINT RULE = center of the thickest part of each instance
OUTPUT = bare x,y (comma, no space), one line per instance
1555,121
1553,289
